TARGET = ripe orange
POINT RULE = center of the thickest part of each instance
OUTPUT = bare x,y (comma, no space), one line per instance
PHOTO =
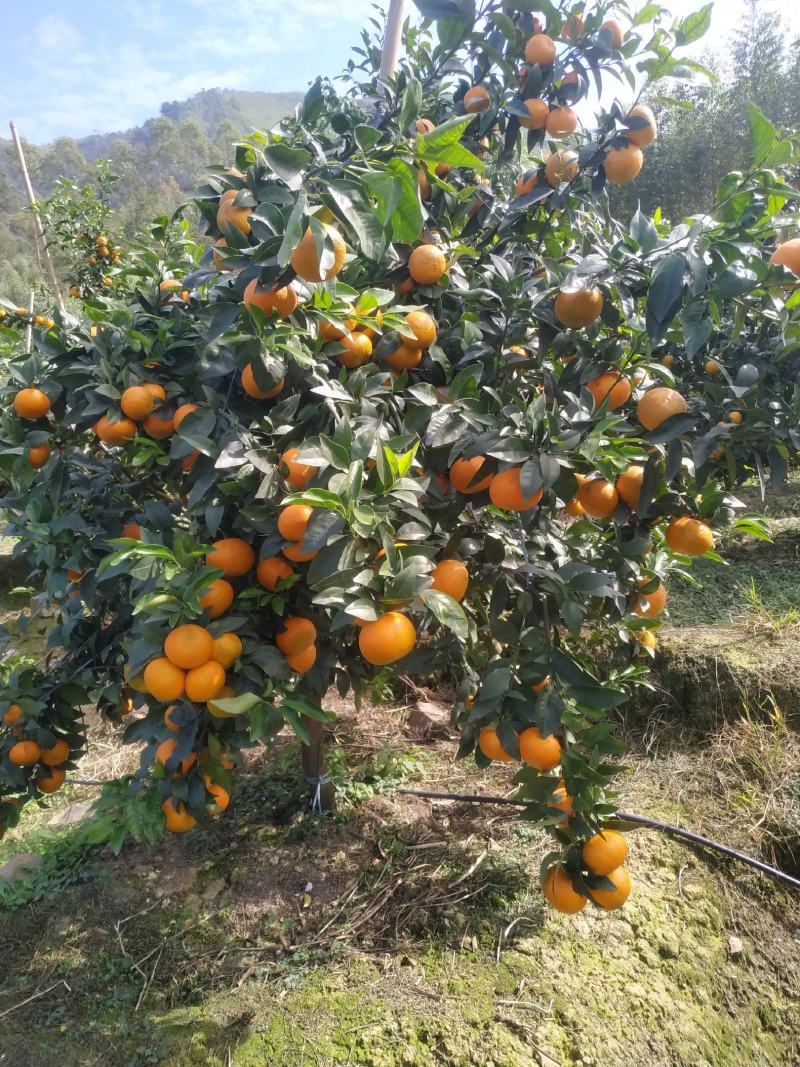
31,404
643,135
234,215
137,402
24,753
296,635
538,111
617,32
303,661
464,475
559,892
227,649
573,26
604,852
629,485
506,492
574,508
537,687
526,182
610,387
271,570
477,99
52,782
219,259
188,646
423,327
159,426
38,455
252,388
712,367
540,49
55,755
132,530
178,819
387,639
189,462
427,264
306,262
580,308
12,715
169,721
163,679
182,412
623,164
452,577
296,475
217,598
611,899
293,521
657,405
115,433
424,126
489,744
561,167
735,417
598,498
283,300
691,537
648,605
205,682
787,254
231,555
404,357
221,796
295,553
357,350
562,802
561,122
543,753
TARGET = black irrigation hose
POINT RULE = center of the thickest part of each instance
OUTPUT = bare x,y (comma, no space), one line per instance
639,820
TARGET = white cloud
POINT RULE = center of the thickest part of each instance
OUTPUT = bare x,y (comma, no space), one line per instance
52,32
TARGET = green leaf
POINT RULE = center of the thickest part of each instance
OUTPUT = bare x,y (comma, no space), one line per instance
412,102
694,26
294,229
288,163
762,134
664,295
355,210
448,611
238,705
406,220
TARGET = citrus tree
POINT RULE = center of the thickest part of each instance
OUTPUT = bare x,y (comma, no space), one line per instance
419,402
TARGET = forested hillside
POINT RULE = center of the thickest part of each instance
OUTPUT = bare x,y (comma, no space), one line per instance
158,163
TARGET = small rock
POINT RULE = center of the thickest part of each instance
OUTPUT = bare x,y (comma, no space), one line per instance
428,720
18,866
735,946
71,814
213,889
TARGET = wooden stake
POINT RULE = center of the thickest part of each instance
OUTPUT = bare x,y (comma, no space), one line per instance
41,242
391,41
313,757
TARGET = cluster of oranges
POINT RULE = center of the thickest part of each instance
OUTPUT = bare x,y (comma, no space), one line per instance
27,753
22,315
33,404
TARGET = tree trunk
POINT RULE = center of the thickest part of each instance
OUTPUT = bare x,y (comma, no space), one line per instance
313,756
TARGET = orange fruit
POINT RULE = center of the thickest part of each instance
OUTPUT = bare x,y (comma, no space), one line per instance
217,598
690,537
629,485
24,753
188,646
538,110
561,122
735,417
540,49
558,890
537,687
423,327
137,402
293,521
611,899
295,553
271,570
296,635
643,135
387,639
12,715
132,530
404,357
611,388
604,852
214,709
489,744
227,649
182,412
623,164
573,26
219,259
580,308
205,682
574,508
169,721
178,819
231,555
543,753
357,350
160,426
164,680
562,802
659,404
306,263
526,182
477,99
424,126
614,26
712,367
31,404
115,433
598,498
464,472
427,264
55,755
296,475
506,492
303,661
189,462
252,388
232,214
452,577
283,300
51,782
404,287
787,254
38,455
561,167
648,605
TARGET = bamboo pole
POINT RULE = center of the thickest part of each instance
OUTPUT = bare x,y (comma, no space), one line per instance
44,251
391,41
29,327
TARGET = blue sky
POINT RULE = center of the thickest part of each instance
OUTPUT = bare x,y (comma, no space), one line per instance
98,65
